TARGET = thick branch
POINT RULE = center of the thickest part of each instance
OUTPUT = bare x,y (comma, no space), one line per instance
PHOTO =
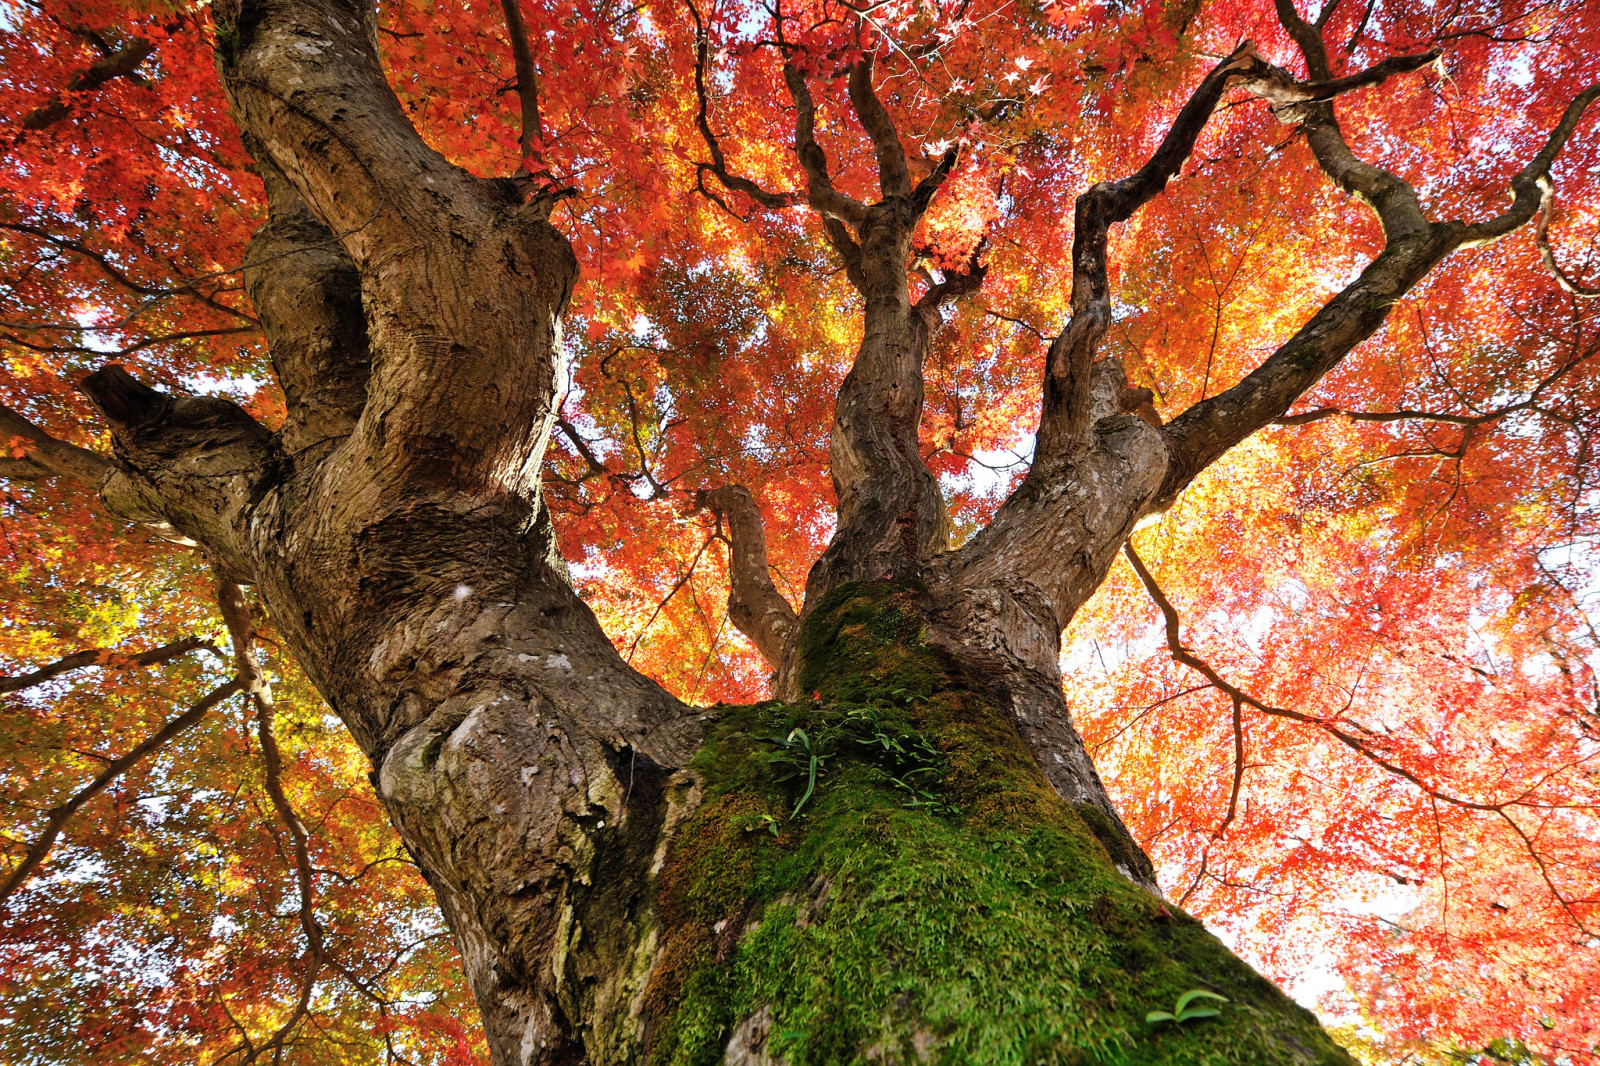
1391,198
929,186
754,603
307,89
819,187
1413,247
43,455
1527,188
104,657
1065,418
459,397
1200,435
60,815
197,462
953,286
532,136
893,177
120,64
308,294
1284,93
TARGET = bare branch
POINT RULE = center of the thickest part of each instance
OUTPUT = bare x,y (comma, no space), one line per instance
1279,88
107,658
1392,198
929,186
677,586
154,295
253,681
953,286
1238,769
1333,729
1528,187
1541,237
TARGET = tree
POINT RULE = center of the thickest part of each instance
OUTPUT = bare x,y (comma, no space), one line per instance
908,850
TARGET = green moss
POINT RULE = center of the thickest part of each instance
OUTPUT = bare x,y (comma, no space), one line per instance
879,932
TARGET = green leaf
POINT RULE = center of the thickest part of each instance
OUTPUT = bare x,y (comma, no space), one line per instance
811,787
1155,1017
1198,1012
1194,994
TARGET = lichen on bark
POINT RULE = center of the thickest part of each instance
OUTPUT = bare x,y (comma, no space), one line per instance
993,926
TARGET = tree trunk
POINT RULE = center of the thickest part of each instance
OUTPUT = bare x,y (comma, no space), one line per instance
934,898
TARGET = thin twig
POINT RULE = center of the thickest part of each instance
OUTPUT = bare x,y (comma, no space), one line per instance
61,814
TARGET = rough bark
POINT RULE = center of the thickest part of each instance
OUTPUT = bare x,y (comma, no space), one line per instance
604,868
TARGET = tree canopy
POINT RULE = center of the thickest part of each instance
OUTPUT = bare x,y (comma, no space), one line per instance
1343,690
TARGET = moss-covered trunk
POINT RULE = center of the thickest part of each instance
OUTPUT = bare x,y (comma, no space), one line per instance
881,873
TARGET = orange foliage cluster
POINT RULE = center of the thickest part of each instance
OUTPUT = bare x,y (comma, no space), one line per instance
1421,583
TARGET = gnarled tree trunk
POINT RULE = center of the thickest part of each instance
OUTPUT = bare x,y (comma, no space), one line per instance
626,876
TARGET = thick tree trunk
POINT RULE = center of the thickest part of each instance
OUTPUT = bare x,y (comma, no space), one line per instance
934,898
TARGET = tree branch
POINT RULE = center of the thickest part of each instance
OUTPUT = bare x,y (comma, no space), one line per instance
1413,246
307,291
105,657
1528,187
434,244
194,462
1183,655
754,603
1238,769
253,681
718,166
43,455
820,192
532,136
61,814
954,285
1065,418
1541,238
894,179
120,64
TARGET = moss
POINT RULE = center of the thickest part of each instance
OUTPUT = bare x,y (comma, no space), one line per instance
879,932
